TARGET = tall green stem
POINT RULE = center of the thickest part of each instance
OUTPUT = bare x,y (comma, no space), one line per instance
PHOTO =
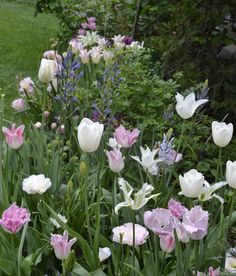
42,129
230,212
19,255
133,259
218,165
178,148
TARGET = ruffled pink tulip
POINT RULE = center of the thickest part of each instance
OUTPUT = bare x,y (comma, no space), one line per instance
27,85
124,234
115,159
195,222
61,245
14,218
18,104
91,20
14,136
126,138
176,208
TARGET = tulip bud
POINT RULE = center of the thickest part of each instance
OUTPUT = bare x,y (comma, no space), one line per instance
83,168
222,133
89,135
53,126
231,174
37,125
46,114
167,242
191,183
47,70
61,129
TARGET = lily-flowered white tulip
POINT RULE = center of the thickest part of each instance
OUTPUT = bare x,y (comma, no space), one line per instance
47,70
96,55
147,160
186,107
231,174
221,133
89,135
104,253
84,55
191,183
140,198
208,190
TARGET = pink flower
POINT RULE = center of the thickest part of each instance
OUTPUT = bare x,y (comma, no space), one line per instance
92,26
61,245
116,161
124,234
26,85
195,222
46,114
18,104
51,54
173,157
91,20
176,208
126,138
82,32
14,136
213,272
14,218
167,242
84,25
53,126
159,221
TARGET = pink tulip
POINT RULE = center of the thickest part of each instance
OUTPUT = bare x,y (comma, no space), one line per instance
14,136
18,104
176,208
61,245
195,222
91,20
126,138
27,85
92,26
167,242
14,218
116,161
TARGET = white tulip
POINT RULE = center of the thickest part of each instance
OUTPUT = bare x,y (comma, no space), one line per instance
95,55
230,263
222,133
186,107
84,55
191,183
89,135
104,253
47,70
231,174
36,184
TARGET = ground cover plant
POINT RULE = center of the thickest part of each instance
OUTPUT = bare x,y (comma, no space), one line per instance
91,187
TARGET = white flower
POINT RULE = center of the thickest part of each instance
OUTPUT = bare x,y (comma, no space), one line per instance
37,125
118,42
102,43
231,174
36,184
84,55
55,223
147,160
95,55
108,56
191,183
47,70
89,135
230,263
221,133
139,198
113,143
186,107
104,253
207,191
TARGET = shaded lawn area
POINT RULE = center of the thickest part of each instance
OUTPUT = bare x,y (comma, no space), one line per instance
23,39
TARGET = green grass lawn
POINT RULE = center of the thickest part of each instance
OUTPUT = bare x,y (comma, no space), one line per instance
23,39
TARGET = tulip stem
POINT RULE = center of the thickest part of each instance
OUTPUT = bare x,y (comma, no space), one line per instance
178,148
42,129
19,255
230,212
134,243
86,201
218,170
196,249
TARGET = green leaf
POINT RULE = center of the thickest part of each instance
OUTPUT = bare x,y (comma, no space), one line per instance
7,267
